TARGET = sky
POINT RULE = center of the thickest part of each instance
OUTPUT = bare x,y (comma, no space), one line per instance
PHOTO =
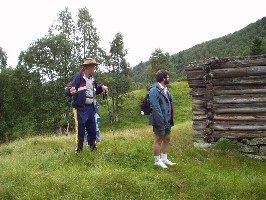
170,25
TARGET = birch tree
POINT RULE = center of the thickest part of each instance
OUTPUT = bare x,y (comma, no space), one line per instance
88,38
3,59
119,68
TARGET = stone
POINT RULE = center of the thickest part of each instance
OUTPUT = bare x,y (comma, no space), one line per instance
262,150
257,141
248,149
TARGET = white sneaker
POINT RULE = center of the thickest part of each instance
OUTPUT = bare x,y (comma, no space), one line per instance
161,164
168,162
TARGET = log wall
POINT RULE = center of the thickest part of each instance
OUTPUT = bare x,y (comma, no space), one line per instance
228,97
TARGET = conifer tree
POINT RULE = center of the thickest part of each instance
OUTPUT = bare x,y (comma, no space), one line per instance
256,48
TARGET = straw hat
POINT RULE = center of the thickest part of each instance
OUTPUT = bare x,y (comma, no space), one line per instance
89,62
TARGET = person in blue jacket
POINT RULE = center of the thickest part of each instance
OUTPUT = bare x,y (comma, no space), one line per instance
161,117
84,88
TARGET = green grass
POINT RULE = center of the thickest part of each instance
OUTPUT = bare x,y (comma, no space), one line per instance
123,167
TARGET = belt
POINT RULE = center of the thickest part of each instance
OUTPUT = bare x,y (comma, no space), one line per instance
89,104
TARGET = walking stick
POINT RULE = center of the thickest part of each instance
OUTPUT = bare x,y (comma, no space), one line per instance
110,114
68,124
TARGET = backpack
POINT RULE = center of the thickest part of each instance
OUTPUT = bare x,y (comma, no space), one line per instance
145,106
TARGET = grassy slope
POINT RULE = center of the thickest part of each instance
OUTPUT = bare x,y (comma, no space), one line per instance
122,168
131,117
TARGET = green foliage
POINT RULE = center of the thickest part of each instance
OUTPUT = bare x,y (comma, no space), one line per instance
48,56
160,60
64,24
3,59
140,73
28,105
258,47
16,101
87,38
81,34
119,81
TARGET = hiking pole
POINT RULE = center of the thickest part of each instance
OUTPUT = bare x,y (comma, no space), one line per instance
110,114
75,112
68,124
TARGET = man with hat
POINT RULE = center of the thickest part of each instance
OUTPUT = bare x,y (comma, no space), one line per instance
84,88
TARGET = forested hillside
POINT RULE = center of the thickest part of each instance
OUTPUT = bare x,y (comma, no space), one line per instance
233,44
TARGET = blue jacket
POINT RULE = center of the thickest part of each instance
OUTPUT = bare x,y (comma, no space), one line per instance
160,108
79,83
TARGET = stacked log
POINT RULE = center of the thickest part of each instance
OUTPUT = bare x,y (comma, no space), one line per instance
228,97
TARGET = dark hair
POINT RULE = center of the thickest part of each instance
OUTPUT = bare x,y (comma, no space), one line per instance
161,74
89,65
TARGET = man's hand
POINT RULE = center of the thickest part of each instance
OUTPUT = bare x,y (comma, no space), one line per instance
105,89
73,90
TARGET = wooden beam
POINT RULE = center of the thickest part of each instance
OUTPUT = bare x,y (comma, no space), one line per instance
236,62
238,117
219,127
238,72
246,90
233,81
251,109
239,134
236,99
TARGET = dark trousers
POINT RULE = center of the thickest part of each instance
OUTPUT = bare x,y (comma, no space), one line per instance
86,120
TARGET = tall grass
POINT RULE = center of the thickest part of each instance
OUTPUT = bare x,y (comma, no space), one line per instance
123,167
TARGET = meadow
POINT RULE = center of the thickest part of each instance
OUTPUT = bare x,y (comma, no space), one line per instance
46,167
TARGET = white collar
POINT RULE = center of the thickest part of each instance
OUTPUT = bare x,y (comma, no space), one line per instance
162,87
